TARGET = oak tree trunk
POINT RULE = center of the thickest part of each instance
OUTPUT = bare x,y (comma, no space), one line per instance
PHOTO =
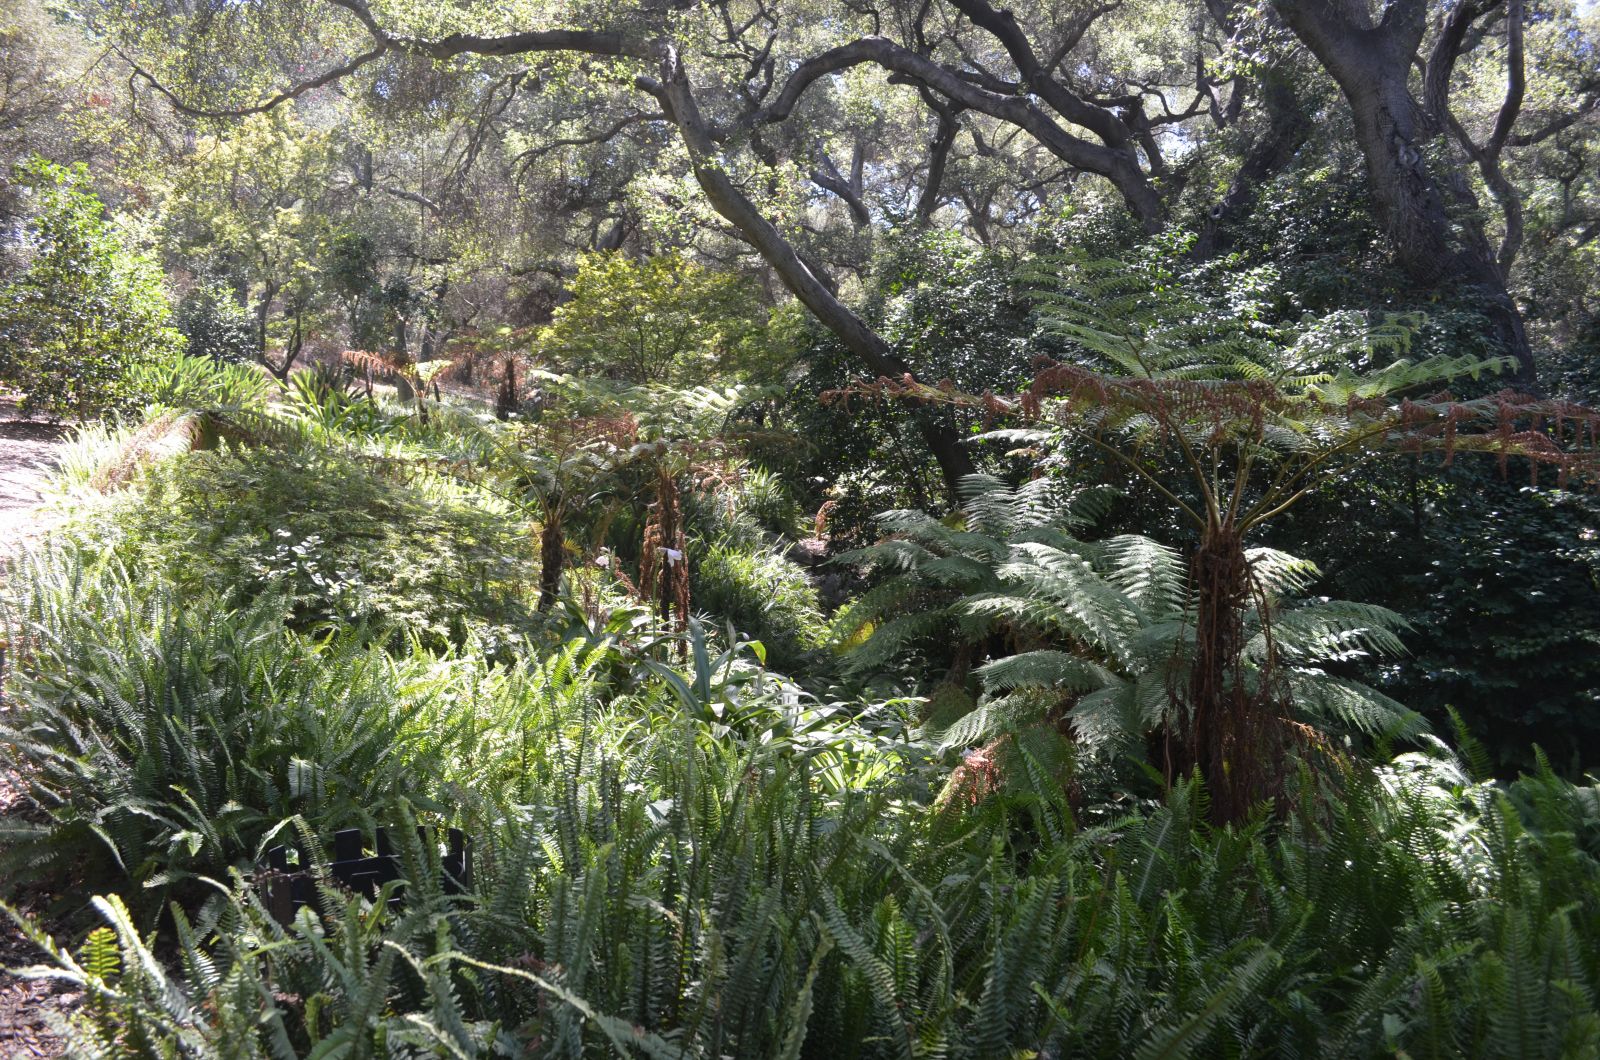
1418,186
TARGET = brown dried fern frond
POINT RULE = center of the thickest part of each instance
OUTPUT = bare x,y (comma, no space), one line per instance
368,361
175,433
167,435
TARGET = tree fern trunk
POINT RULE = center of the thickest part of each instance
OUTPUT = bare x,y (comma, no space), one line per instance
1227,726
552,557
505,402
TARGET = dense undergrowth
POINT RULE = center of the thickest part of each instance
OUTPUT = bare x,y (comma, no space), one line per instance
768,877
771,882
679,852
931,531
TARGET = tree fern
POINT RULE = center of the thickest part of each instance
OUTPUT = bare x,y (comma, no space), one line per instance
1098,634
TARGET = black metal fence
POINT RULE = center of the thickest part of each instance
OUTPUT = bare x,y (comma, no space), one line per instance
287,890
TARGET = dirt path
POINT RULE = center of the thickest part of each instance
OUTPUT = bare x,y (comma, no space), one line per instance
28,452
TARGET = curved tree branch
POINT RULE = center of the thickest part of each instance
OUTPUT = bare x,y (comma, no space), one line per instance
609,133
827,177
1003,26
1516,80
294,91
938,158
723,193
1119,165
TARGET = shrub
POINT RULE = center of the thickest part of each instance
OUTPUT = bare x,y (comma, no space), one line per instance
770,503
764,595
163,735
339,541
664,319
190,382
703,864
86,309
216,324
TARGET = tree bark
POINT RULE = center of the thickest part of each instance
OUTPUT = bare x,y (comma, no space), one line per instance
1371,63
1229,729
1288,128
552,554
938,429
944,139
402,355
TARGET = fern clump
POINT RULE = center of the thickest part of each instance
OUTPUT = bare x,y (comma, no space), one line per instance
696,858
1233,419
766,597
162,736
341,541
1093,640
678,895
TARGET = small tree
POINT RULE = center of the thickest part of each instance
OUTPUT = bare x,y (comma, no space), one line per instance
660,319
594,449
257,205
1090,638
86,308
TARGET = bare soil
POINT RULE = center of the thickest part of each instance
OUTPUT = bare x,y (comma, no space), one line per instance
30,1009
28,451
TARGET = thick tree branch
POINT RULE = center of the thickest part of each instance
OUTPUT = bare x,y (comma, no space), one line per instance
1003,26
1516,80
1405,22
1442,59
828,177
610,132
1271,151
938,159
587,42
1120,166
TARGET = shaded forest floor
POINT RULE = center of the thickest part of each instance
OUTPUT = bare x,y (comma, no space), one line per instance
26,1005
28,451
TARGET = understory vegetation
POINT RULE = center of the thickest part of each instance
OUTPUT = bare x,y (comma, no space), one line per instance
718,864
803,530
739,828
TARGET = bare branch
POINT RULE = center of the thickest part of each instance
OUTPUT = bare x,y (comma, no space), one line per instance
828,177
1003,26
293,92
410,196
1120,166
1566,120
610,132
